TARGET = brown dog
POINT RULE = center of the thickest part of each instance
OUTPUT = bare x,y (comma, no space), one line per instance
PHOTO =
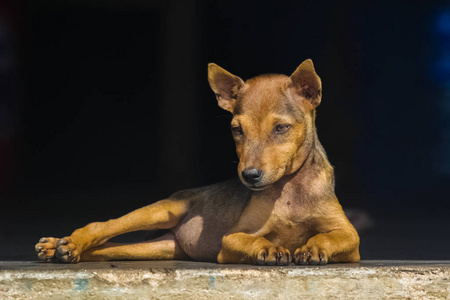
285,210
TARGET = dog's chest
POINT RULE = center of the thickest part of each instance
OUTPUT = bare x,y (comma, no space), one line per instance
292,208
291,224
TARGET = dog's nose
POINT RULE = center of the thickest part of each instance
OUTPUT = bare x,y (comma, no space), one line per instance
252,175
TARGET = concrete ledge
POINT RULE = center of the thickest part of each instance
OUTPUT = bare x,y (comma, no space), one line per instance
192,280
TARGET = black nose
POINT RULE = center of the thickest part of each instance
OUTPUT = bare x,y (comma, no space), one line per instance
252,175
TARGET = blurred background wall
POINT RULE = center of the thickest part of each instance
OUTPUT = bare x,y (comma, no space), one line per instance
105,107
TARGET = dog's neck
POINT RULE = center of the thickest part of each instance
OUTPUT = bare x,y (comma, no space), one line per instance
313,181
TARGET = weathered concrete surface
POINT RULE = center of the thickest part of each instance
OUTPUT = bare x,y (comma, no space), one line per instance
189,280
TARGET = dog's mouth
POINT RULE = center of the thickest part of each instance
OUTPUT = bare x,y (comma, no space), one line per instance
257,188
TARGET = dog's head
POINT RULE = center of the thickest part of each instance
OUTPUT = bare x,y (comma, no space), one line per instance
273,120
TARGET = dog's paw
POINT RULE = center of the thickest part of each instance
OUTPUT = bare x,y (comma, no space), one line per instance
66,251
46,248
273,256
310,256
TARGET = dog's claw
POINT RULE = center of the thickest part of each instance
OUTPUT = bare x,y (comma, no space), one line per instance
261,258
322,259
310,256
273,256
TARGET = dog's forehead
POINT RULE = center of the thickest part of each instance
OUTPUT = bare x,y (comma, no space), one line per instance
267,94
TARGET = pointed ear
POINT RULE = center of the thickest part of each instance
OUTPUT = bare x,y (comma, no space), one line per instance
306,83
225,85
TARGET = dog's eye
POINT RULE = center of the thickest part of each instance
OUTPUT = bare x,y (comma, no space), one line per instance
236,129
282,128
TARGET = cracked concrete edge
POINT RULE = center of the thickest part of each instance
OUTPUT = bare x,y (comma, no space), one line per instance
383,282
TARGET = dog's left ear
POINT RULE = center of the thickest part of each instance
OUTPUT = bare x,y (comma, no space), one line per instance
225,85
306,83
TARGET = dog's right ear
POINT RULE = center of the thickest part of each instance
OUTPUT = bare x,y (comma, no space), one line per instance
225,85
307,83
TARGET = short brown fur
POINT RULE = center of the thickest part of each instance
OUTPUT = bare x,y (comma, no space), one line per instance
282,210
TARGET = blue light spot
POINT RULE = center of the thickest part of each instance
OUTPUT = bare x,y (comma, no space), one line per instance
443,22
440,70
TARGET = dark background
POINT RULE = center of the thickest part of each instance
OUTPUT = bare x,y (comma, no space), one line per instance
105,107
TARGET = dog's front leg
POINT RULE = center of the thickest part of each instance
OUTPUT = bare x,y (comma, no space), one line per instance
340,245
245,248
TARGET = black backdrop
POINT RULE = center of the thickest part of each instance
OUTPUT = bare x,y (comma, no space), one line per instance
106,106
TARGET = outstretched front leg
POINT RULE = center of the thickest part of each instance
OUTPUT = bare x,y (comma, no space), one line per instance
164,214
